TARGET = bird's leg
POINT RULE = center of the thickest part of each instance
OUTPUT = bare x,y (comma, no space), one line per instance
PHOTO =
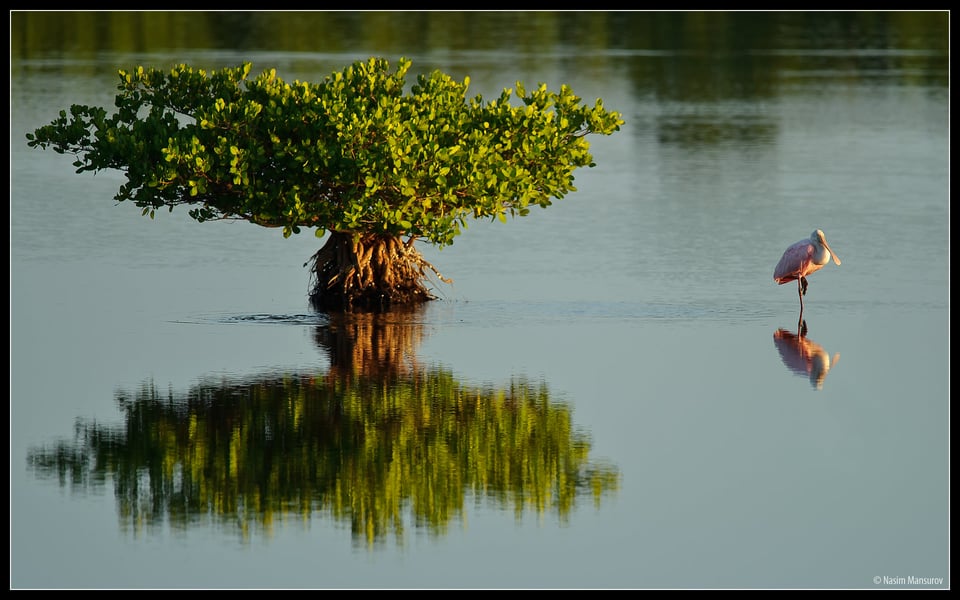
802,327
800,291
803,286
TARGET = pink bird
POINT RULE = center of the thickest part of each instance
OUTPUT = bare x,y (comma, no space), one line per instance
801,260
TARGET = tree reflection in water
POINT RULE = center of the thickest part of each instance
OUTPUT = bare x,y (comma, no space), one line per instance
376,441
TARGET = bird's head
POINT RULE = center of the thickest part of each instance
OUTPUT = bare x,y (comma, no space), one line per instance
817,237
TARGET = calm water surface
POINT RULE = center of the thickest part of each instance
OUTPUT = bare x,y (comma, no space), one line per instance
610,395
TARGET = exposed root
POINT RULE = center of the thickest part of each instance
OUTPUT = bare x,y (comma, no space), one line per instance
368,271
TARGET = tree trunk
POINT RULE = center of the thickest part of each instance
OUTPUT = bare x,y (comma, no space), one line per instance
368,271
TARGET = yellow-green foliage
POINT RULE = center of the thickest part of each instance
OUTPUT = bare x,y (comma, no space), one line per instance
354,153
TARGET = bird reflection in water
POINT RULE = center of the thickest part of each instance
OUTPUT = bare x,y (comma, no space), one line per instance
803,356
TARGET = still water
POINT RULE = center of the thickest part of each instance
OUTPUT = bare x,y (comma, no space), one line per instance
612,393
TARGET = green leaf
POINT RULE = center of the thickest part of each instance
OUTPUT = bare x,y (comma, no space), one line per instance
359,151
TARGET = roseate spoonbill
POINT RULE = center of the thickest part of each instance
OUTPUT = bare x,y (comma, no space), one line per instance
801,260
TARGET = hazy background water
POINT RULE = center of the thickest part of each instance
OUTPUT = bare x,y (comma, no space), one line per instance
606,397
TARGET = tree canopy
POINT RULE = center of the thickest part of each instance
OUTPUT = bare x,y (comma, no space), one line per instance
356,153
